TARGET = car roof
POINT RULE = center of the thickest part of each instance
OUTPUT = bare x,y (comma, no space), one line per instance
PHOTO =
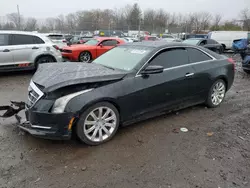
21,32
158,44
196,39
105,38
25,33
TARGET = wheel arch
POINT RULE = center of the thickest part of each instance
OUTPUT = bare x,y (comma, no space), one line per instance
44,55
224,78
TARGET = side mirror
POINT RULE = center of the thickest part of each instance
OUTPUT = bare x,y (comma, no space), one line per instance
152,69
101,45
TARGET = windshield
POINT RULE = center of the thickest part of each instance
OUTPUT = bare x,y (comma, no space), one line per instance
56,37
191,41
123,57
92,42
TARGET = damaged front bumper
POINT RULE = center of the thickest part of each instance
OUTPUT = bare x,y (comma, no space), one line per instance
48,125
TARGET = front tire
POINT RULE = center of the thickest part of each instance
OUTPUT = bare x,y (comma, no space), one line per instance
98,124
85,57
216,94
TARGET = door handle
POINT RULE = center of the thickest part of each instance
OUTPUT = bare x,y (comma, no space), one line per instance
6,50
35,48
189,74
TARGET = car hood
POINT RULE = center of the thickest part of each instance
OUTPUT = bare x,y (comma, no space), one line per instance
52,76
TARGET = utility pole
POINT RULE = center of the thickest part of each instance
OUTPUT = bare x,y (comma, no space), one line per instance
19,18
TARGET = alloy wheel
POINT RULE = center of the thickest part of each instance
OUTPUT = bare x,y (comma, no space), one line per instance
218,93
99,124
85,57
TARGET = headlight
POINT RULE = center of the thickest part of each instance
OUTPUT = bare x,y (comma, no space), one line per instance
61,103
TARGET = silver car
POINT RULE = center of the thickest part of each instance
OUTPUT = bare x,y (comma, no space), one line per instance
26,50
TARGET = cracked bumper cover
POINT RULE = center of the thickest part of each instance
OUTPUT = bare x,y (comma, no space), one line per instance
47,125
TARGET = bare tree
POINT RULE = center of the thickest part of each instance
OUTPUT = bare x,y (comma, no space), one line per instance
16,20
201,21
245,16
216,21
31,24
149,20
51,22
60,23
71,21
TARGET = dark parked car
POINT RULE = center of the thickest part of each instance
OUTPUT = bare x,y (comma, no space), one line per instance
198,36
79,40
129,83
206,43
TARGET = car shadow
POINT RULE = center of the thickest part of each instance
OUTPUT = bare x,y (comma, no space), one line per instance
17,73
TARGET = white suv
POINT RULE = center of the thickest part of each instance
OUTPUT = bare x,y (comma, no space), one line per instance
26,50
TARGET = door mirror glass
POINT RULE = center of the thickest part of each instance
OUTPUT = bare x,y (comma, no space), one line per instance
152,69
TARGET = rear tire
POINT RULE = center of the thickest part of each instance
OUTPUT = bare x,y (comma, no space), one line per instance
216,94
98,124
223,48
44,59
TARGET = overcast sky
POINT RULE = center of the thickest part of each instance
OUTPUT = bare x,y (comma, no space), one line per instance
50,8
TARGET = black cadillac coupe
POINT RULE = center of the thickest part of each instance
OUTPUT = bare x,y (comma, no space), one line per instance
129,83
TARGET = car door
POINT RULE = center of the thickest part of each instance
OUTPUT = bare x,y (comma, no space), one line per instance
202,63
23,47
6,57
105,46
172,88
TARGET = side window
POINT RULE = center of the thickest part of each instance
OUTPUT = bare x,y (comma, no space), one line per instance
22,39
4,39
171,58
210,41
197,55
203,42
37,40
109,42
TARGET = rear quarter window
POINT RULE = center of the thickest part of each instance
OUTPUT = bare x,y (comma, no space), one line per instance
196,55
38,40
4,39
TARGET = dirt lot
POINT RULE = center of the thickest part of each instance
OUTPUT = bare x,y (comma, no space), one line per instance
148,154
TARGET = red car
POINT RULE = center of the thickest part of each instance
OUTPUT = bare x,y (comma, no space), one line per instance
149,38
91,49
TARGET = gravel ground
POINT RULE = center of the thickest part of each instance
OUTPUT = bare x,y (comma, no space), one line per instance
214,153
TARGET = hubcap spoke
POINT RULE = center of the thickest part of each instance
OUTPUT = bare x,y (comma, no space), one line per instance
106,114
94,134
106,131
110,125
100,113
100,135
109,118
90,129
92,114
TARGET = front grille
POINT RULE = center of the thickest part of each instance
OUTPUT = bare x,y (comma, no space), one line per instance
34,94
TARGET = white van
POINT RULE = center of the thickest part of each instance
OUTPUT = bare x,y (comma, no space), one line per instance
226,38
